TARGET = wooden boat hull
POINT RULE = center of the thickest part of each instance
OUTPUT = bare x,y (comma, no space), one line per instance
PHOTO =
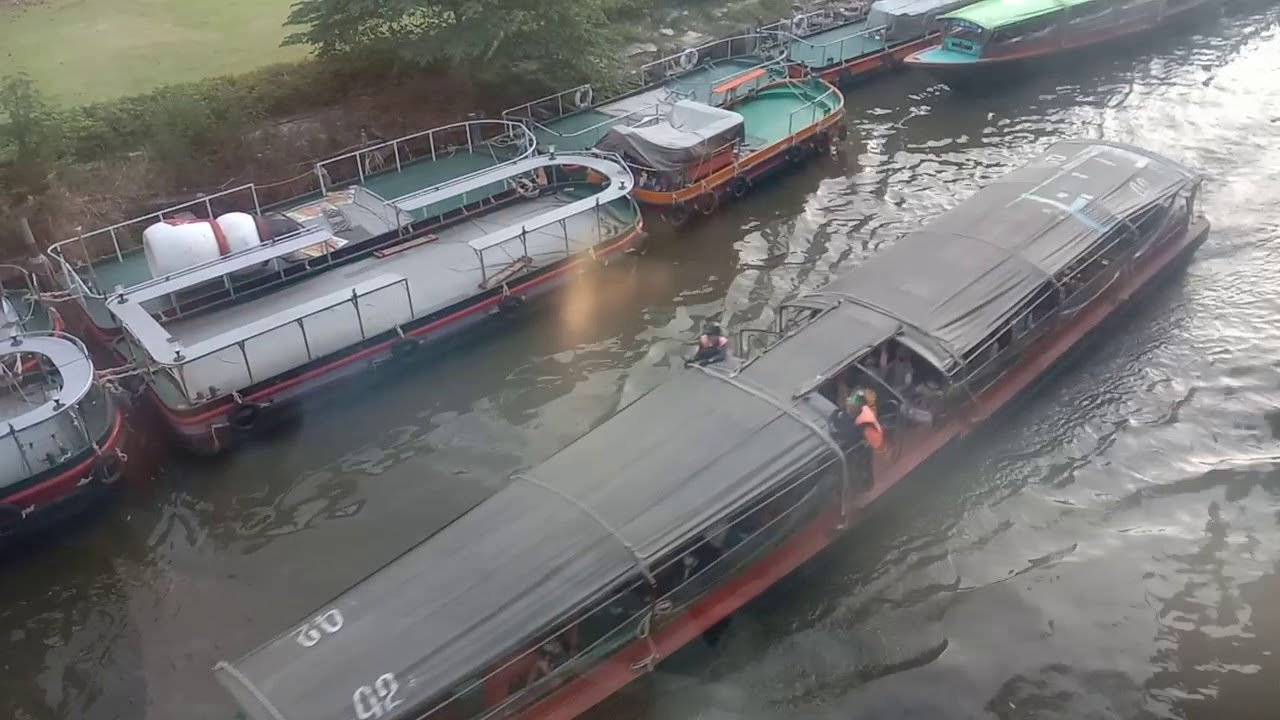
40,504
214,428
978,73
1050,352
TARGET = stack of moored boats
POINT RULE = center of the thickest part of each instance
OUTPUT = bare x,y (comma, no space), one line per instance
222,314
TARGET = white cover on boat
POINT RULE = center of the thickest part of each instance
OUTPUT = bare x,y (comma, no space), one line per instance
910,19
170,248
690,132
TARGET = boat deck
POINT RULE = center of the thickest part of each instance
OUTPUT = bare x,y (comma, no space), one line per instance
439,273
583,129
835,45
778,112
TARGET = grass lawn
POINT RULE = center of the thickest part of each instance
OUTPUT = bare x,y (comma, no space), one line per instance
84,50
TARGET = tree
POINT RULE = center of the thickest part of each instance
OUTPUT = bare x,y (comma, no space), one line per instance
28,137
555,41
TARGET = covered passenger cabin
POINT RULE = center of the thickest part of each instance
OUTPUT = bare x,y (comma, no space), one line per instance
702,477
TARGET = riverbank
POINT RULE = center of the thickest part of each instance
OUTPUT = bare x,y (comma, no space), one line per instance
101,163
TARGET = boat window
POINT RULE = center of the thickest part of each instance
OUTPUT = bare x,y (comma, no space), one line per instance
963,30
1029,31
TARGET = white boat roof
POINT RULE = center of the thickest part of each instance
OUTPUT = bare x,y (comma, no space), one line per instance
127,305
69,358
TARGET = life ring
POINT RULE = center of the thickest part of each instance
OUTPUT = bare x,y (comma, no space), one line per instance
678,214
405,348
583,97
795,154
244,416
707,202
688,59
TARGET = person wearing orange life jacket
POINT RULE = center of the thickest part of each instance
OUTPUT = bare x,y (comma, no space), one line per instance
861,407
713,346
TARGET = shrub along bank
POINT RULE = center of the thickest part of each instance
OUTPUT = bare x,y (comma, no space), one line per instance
379,68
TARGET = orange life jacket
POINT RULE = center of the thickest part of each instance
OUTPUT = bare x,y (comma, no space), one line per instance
871,430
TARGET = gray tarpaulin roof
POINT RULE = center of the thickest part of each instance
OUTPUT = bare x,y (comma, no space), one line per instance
962,275
690,132
686,454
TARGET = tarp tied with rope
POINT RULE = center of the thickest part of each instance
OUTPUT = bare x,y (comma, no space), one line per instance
676,462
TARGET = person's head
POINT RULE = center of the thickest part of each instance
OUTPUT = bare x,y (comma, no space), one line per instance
712,329
856,401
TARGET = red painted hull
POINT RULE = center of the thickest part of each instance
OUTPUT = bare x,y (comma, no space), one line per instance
588,690
79,482
206,430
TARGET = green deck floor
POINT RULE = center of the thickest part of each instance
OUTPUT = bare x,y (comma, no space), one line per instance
778,112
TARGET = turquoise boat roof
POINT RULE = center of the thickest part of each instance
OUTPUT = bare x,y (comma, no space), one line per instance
995,14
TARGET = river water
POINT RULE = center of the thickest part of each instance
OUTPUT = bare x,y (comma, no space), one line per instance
1109,550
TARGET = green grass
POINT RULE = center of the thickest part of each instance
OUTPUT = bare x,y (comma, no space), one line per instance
80,51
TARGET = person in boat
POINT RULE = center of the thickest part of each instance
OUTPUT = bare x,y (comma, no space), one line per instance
861,407
713,346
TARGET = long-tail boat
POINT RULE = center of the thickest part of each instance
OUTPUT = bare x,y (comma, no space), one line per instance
1013,34
62,446
590,568
231,312
703,125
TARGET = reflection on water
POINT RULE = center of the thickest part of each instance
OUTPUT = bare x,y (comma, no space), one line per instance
1106,551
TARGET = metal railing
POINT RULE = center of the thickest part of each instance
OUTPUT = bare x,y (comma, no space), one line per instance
59,251
46,435
821,51
639,115
746,45
490,135
581,98
812,107
180,364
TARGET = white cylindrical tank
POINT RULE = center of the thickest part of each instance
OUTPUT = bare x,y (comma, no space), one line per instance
174,246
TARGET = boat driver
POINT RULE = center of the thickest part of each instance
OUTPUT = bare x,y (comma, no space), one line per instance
713,346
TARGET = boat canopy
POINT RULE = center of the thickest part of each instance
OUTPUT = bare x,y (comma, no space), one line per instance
564,535
955,281
690,132
995,14
909,19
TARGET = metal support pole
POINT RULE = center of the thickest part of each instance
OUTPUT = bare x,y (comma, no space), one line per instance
244,352
355,302
395,147
306,343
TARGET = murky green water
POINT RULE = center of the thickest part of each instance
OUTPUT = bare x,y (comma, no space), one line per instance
1108,551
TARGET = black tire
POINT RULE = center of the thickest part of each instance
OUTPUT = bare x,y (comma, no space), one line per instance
739,186
707,202
404,349
510,303
795,154
245,416
842,132
677,215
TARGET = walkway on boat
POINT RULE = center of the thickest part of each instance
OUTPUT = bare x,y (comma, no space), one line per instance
394,284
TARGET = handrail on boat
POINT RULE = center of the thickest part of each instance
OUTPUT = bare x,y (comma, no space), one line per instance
673,64
655,108
813,104
791,51
57,251
515,132
584,92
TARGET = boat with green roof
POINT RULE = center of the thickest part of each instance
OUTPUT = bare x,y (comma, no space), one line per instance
992,34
